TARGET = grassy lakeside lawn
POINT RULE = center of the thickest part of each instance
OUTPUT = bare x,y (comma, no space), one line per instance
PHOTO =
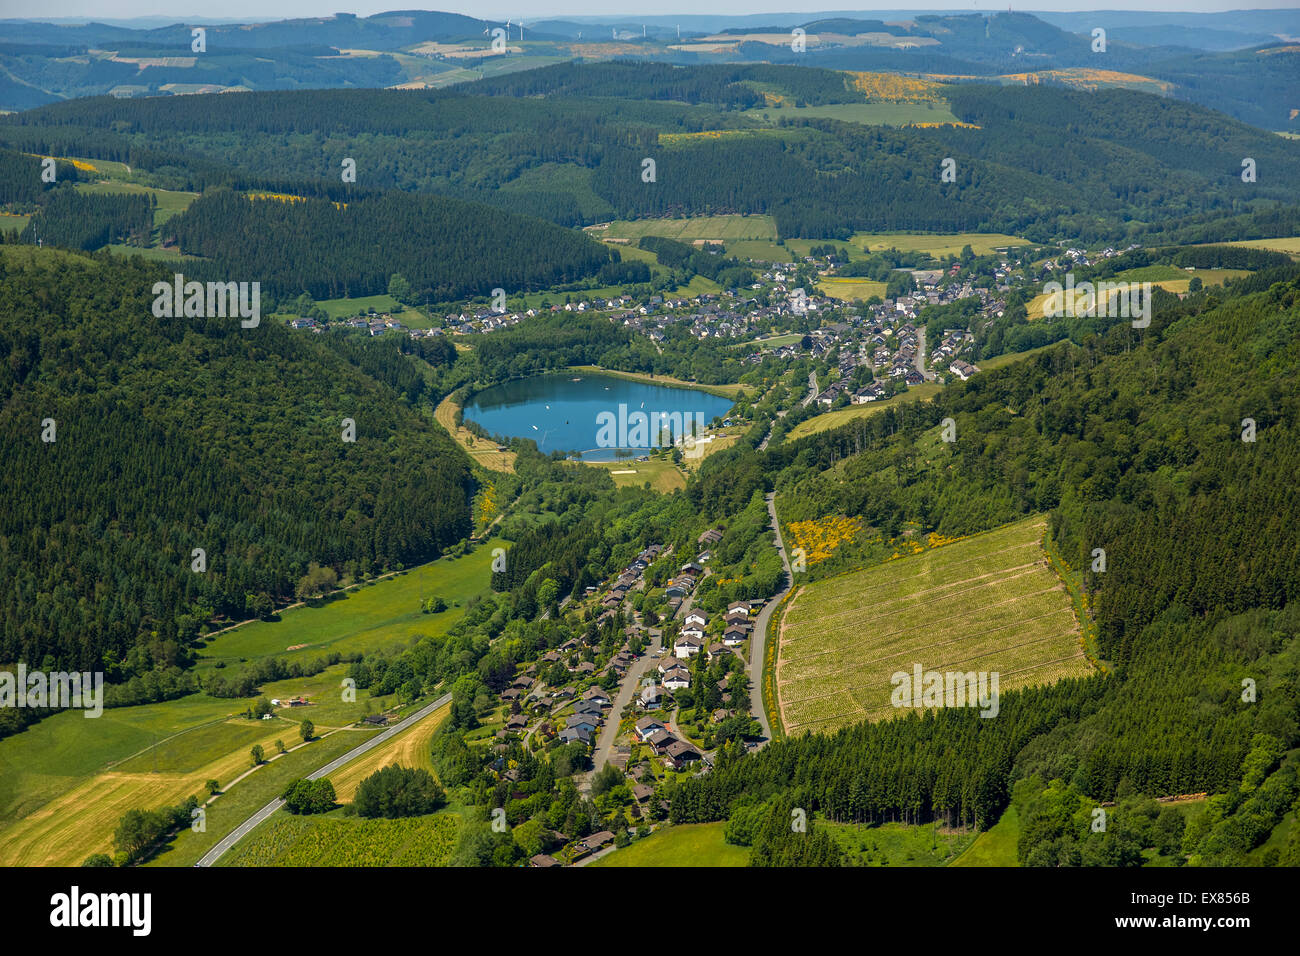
663,476
732,392
988,603
834,419
898,844
995,846
373,616
482,450
233,807
689,844
936,244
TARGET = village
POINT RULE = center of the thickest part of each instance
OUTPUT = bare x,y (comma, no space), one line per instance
653,703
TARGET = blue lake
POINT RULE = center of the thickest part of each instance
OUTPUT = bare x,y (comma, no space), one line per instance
593,416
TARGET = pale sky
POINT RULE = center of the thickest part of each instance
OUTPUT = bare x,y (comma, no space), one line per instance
261,10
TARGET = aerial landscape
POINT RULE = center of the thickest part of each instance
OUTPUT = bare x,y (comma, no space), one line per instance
651,439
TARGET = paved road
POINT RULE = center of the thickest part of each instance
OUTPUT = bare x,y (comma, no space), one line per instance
626,691
244,828
920,355
812,389
758,645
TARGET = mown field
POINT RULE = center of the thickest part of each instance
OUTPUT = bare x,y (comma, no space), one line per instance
936,244
663,476
850,289
1169,278
335,840
988,603
66,781
691,844
81,820
235,805
379,615
410,748
722,228
866,114
834,419
1290,244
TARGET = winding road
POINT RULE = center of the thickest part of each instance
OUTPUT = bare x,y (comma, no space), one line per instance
241,831
758,645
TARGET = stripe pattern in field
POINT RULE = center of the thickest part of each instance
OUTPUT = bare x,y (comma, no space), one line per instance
986,603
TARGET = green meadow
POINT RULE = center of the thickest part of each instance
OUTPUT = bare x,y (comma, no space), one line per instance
995,846
866,114
381,614
897,844
690,844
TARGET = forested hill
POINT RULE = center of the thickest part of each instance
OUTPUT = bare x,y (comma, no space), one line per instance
177,434
1136,443
448,249
568,143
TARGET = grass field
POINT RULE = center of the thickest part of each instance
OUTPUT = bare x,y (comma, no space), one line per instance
80,821
384,614
482,450
936,244
66,749
760,250
692,844
155,253
232,807
834,419
66,781
867,114
897,844
1289,244
851,289
722,228
985,603
1007,358
773,341
663,475
410,748
995,846
12,222
170,202
1169,278
345,308
336,840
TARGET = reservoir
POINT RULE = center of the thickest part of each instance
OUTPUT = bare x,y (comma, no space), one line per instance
593,416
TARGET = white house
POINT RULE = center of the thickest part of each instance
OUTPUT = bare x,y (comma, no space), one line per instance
687,646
